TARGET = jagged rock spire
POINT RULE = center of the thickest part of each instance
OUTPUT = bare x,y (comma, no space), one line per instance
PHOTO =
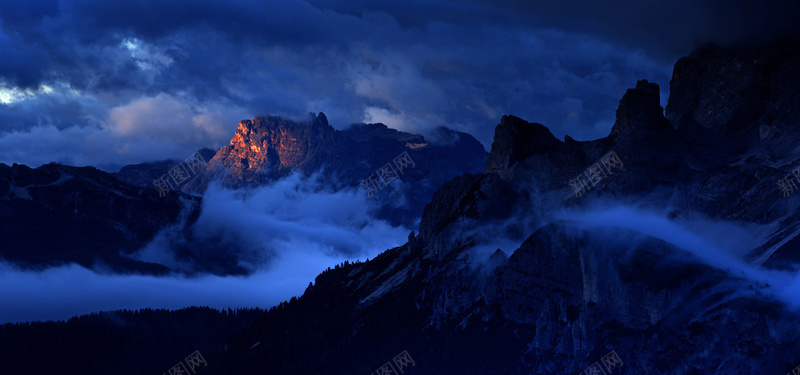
639,107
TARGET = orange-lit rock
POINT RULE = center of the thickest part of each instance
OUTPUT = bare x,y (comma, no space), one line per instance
270,146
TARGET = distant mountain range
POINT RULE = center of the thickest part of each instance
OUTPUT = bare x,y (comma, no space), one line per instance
671,243
59,214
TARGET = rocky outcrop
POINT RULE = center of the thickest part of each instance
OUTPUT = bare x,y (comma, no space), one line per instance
733,99
516,140
643,139
646,142
639,109
269,147
460,205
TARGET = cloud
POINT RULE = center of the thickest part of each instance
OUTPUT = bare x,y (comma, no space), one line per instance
677,26
715,243
63,292
166,118
243,231
147,128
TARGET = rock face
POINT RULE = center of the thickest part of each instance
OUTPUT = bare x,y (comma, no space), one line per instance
565,290
639,109
459,205
58,214
516,140
270,147
738,97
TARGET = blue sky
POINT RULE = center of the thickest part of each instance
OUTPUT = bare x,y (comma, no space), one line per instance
102,83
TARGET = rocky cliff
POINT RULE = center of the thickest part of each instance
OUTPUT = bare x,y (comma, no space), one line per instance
735,100
270,147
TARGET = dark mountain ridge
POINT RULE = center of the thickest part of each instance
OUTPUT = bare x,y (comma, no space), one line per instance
57,214
571,288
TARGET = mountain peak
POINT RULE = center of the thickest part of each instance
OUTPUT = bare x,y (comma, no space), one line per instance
739,97
272,143
640,106
269,123
320,119
516,140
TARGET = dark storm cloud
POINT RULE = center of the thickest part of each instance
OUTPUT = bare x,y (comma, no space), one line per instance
663,28
91,66
21,65
666,28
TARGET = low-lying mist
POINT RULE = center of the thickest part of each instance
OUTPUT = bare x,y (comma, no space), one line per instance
715,243
241,231
623,224
247,248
